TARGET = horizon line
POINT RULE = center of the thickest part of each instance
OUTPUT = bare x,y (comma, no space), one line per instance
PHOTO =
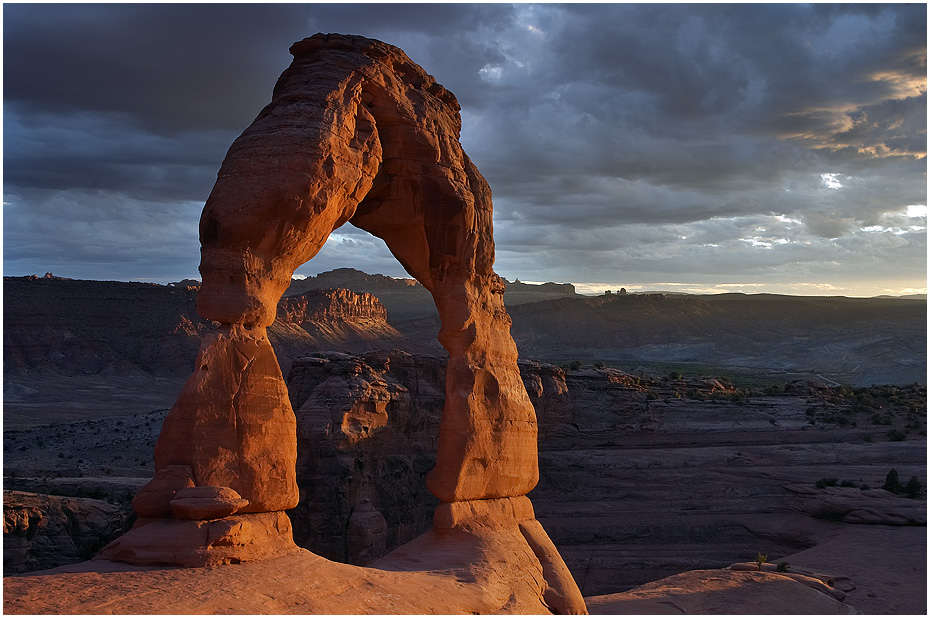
586,289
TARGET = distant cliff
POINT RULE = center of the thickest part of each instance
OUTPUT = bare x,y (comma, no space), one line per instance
331,319
42,531
406,299
99,327
330,306
76,327
859,341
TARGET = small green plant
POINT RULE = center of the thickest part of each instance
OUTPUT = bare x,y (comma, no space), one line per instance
783,567
896,435
826,482
761,559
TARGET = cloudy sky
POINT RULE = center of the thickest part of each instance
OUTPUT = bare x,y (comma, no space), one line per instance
778,148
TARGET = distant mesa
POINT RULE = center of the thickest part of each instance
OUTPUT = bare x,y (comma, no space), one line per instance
46,276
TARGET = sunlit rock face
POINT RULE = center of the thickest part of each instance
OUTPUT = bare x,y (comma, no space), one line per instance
355,132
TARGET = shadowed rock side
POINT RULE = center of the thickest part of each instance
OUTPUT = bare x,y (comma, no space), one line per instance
40,531
355,132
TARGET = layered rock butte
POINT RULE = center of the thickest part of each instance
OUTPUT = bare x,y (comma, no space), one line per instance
356,132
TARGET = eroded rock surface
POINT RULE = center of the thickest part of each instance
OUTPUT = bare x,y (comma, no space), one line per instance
42,531
233,424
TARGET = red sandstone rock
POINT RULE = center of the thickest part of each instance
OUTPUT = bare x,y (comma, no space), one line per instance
195,543
356,131
154,499
329,306
207,502
233,424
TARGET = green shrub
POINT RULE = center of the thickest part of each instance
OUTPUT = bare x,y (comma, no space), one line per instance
913,488
892,483
826,482
896,435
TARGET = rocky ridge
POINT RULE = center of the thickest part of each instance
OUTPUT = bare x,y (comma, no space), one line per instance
113,328
858,341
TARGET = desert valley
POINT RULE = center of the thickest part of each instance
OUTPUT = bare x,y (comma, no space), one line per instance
650,465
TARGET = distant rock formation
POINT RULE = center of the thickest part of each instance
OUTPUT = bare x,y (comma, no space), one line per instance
329,306
75,327
355,132
331,319
113,328
42,531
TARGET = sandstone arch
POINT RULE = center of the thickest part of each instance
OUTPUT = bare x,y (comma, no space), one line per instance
355,132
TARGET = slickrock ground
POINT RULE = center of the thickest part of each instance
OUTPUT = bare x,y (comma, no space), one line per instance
883,571
720,592
437,580
439,573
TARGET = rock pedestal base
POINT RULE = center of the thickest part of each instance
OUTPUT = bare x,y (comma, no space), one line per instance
561,593
197,543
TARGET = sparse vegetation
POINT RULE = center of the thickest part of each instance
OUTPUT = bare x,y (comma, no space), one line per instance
913,487
761,559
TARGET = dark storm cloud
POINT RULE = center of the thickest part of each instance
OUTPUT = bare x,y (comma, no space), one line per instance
630,139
